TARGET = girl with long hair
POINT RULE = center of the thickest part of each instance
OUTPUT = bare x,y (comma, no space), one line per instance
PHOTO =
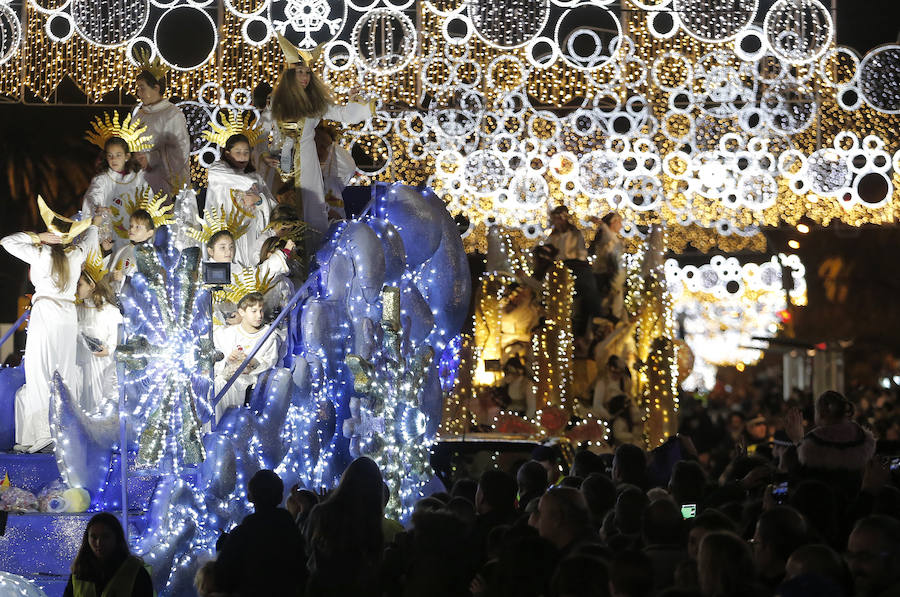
300,100
234,185
98,327
55,260
104,564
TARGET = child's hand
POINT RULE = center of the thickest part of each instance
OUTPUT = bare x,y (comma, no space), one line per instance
48,238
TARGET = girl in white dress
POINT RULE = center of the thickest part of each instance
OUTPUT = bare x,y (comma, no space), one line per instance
98,327
234,185
300,100
166,164
55,262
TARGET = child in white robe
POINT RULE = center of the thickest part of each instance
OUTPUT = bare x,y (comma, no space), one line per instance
55,262
236,342
98,331
140,230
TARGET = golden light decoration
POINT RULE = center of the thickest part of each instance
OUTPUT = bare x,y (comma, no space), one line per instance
130,131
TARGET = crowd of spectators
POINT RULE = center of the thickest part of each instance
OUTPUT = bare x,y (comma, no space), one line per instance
796,506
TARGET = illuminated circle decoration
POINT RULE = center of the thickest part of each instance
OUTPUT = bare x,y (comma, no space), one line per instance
485,173
494,19
110,23
581,46
59,27
798,31
197,36
879,79
10,32
385,40
713,20
828,172
256,31
316,21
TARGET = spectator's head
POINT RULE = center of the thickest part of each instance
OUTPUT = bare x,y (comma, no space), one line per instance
613,220
779,532
533,510
757,429
687,483
563,517
662,524
466,489
525,566
265,489
736,422
832,407
559,218
600,493
531,478
571,481
629,510
706,522
463,509
586,463
581,575
546,456
724,564
205,579
496,493
430,504
361,488
630,465
816,559
103,547
628,575
873,554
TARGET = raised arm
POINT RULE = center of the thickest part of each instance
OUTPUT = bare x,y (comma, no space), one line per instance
352,113
23,245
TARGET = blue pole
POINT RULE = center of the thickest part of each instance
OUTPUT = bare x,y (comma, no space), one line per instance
15,326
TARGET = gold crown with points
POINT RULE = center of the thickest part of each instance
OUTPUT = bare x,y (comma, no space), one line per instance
65,228
129,130
247,281
295,55
93,266
233,123
218,220
155,67
155,205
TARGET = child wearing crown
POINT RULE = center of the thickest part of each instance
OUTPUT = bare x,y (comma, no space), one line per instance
98,327
300,100
145,215
55,259
166,164
235,186
119,176
237,341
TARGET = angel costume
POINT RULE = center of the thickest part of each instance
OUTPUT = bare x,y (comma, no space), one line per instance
99,388
111,188
52,333
234,337
337,170
167,162
225,193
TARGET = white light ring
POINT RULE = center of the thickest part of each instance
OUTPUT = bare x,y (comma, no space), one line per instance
360,7
677,155
616,198
492,44
654,71
634,172
677,92
896,161
504,138
651,19
799,185
568,3
864,64
655,169
47,11
450,156
441,13
757,144
546,116
583,116
424,65
792,59
769,182
556,165
615,43
211,148
513,161
866,167
797,156
887,196
327,55
405,22
247,104
570,188
766,162
641,80
748,112
874,154
230,7
773,78
529,52
457,41
750,31
839,139
212,52
505,102
16,28
414,154
872,142
257,19
654,189
389,159
200,3
163,4
631,106
643,145
728,141
457,80
129,49
127,42
64,16
624,44
402,5
215,87
489,71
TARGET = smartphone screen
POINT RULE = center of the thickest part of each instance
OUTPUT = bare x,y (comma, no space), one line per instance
779,492
688,511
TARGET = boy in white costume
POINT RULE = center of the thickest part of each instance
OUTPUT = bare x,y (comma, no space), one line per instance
236,342
55,262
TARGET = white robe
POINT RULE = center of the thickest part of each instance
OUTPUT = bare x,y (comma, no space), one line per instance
312,186
268,173
231,338
111,189
168,161
52,331
337,170
223,192
99,390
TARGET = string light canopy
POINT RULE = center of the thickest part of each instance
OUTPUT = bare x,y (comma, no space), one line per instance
670,111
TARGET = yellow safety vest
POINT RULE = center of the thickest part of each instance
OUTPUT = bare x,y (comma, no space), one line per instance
120,585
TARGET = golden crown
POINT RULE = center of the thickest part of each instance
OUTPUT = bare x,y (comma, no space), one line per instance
233,123
294,55
217,220
93,265
155,205
154,66
131,132
249,280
